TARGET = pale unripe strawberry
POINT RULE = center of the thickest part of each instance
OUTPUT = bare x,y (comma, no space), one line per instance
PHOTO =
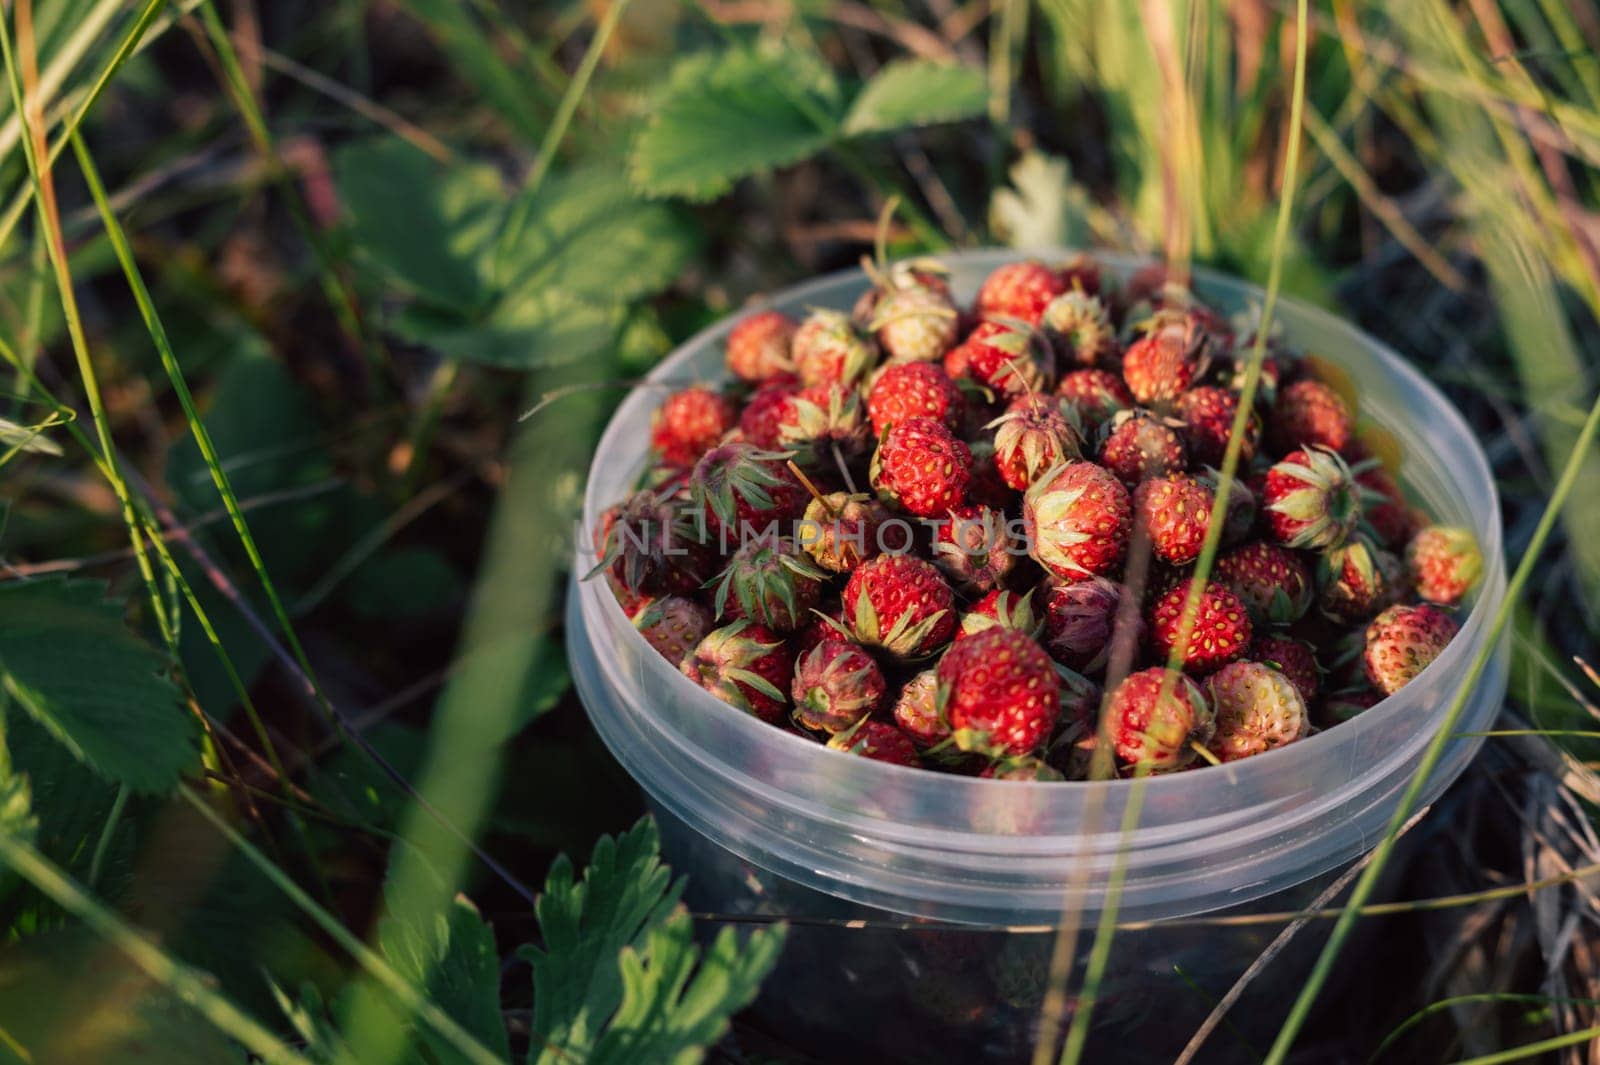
1444,563
917,712
835,685
1078,325
1157,716
674,626
828,350
1077,519
1402,641
758,347
840,530
916,323
1258,709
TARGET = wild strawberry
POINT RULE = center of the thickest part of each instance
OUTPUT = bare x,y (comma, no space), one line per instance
1032,436
1079,328
1293,658
651,546
1176,512
1257,710
879,741
822,626
1207,414
840,530
1402,641
1026,767
740,490
912,390
758,347
1160,366
1348,704
1272,580
916,710
1444,563
1309,413
1139,446
1005,609
770,580
1019,290
921,468
1082,273
1157,717
835,685
1007,357
915,323
762,417
689,423
1384,506
1077,520
1080,620
1311,499
999,692
974,547
824,421
745,665
828,350
1094,395
901,604
1220,633
1353,582
673,625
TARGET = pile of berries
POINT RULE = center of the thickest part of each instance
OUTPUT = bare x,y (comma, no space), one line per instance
933,535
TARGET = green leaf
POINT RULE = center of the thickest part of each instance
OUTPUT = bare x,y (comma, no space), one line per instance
421,223
1042,207
68,659
405,582
917,92
475,57
451,957
523,331
724,116
591,235
16,802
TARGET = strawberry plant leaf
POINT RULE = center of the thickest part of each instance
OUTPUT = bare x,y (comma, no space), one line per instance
1042,207
71,663
916,92
525,330
16,801
451,957
726,115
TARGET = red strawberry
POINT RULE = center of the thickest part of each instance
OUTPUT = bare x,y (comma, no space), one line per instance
1239,517
1162,364
999,692
910,390
1032,436
1293,658
1080,620
1353,586
1077,520
689,423
1081,273
758,347
1005,609
1257,710
1385,507
878,741
1272,580
835,685
1207,414
1157,717
772,581
915,323
822,420
839,530
1140,446
745,665
1019,290
916,710
901,604
1176,512
741,489
1008,358
1079,328
1402,641
921,468
1309,413
1444,563
828,350
1096,395
674,626
762,417
1221,631
974,547
1311,499
649,545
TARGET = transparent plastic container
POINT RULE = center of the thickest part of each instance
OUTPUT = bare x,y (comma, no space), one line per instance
764,822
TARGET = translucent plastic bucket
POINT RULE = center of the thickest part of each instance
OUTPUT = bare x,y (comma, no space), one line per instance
770,823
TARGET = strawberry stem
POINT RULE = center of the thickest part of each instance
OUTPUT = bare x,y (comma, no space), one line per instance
812,488
1204,752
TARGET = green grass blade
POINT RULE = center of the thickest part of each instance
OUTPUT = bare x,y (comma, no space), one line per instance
1530,1050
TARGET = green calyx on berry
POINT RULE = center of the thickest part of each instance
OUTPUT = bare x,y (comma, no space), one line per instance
739,477
1313,500
769,580
1079,326
1003,608
836,684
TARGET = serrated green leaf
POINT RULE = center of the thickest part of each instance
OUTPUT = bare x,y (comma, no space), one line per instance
452,958
724,116
421,223
917,92
68,659
589,234
524,330
1042,207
